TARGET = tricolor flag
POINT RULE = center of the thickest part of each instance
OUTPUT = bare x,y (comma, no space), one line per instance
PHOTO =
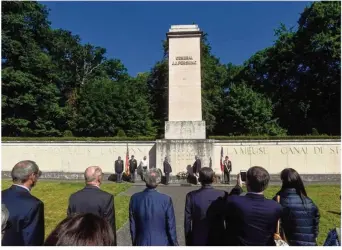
127,161
221,161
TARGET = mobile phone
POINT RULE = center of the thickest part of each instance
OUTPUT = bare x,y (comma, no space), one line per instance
243,174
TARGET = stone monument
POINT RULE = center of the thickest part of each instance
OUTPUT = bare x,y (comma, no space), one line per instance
185,104
185,132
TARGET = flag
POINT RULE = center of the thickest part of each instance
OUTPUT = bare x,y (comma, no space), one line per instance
127,162
221,161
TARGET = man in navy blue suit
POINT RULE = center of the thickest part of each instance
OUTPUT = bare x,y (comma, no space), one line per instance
251,219
26,212
151,215
203,220
102,202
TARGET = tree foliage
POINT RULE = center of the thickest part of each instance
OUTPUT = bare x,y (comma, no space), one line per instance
53,85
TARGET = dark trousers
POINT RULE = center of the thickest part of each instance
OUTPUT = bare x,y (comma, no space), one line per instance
132,176
226,177
143,172
119,177
167,178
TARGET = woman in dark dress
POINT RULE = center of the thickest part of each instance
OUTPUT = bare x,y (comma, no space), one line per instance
300,217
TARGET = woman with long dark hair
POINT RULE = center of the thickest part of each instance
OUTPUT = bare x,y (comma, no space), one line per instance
300,217
82,230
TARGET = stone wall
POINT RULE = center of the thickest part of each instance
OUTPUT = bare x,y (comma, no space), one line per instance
74,157
307,157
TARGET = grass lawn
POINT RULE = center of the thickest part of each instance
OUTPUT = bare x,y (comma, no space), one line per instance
327,199
55,195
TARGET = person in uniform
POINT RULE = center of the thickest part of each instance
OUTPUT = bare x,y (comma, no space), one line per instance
227,169
167,170
119,167
132,168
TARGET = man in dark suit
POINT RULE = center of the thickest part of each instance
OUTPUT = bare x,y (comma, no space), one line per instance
251,220
133,165
119,167
196,167
203,220
26,212
151,215
167,170
91,199
227,169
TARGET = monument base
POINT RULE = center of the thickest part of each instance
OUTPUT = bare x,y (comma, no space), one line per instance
185,130
181,153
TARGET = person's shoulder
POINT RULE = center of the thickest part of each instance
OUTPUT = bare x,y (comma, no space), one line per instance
105,193
137,195
272,203
36,201
220,192
164,197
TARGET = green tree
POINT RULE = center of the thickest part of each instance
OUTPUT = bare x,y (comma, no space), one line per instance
249,113
30,98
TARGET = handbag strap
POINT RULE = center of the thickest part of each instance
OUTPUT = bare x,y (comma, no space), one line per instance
278,223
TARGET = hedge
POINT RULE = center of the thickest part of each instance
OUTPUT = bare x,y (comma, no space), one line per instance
265,137
147,138
142,138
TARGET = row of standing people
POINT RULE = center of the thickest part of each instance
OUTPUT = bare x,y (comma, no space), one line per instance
89,209
213,217
133,168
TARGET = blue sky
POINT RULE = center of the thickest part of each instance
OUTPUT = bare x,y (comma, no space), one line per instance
133,31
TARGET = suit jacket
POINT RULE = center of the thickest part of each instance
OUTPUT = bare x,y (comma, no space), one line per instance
251,220
197,166
228,166
119,166
26,218
203,217
92,199
167,167
152,219
133,164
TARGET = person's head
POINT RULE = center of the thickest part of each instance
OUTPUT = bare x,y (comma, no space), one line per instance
82,230
291,179
152,178
93,175
166,159
4,219
257,179
196,157
227,158
145,158
26,173
119,158
132,157
206,176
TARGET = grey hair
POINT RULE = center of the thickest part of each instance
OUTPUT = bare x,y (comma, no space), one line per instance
4,216
90,178
153,177
23,169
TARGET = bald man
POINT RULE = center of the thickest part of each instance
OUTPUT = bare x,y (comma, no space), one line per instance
26,212
91,199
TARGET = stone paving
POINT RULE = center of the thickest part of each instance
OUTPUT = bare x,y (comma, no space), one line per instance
177,194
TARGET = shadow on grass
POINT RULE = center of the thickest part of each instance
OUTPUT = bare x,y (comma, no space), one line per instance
333,212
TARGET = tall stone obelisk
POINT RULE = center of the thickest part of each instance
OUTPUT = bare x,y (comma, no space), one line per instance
185,101
185,130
